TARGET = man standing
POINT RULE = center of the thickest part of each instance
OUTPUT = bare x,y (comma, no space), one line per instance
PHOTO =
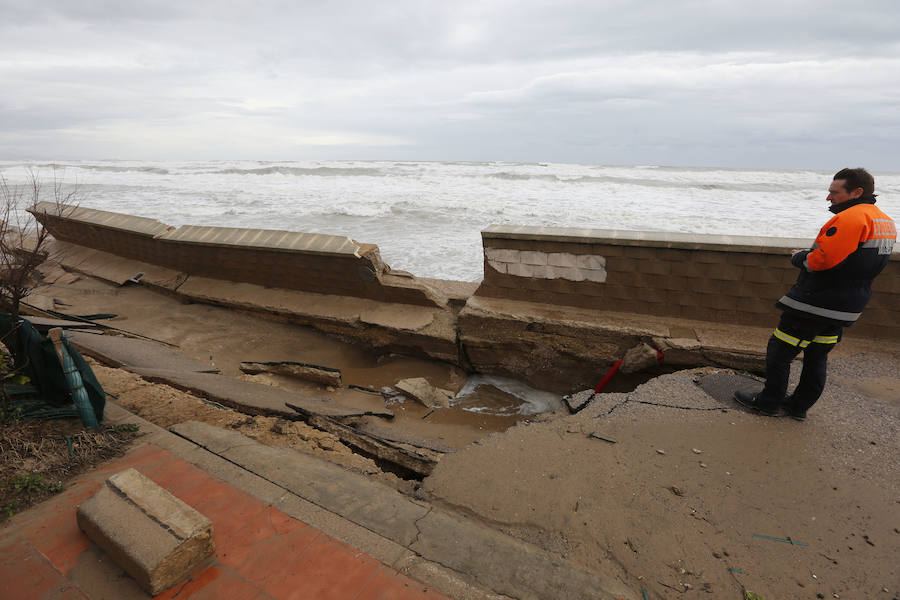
833,287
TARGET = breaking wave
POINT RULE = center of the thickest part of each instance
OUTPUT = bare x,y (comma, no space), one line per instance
107,168
303,171
684,185
511,176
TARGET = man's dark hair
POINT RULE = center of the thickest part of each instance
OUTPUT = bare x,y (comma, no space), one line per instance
857,178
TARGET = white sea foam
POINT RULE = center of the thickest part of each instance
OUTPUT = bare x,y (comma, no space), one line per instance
427,216
533,401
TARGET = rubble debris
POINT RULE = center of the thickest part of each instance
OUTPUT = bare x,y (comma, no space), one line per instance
424,393
165,541
578,401
643,356
308,372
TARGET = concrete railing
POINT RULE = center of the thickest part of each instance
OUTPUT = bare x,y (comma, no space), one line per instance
726,279
325,264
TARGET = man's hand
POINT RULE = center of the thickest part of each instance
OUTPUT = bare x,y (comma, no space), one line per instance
793,252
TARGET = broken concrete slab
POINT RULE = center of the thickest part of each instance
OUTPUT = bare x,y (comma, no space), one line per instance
418,459
43,323
370,504
127,352
678,351
152,535
255,398
298,370
424,393
374,427
113,268
505,565
492,559
405,328
640,357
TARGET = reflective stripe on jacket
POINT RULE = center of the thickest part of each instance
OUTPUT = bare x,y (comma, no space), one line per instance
836,274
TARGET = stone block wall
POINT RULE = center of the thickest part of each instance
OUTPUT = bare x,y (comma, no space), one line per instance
318,263
727,279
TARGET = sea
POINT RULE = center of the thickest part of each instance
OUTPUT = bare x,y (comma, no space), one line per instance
426,217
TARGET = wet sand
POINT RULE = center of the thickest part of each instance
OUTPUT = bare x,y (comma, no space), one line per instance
223,338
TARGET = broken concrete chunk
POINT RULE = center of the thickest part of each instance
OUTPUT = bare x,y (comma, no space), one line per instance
314,373
423,392
152,535
643,356
680,351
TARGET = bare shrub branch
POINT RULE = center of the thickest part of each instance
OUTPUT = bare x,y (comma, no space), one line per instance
23,240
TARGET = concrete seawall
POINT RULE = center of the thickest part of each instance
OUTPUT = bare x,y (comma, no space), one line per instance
312,262
725,279
555,307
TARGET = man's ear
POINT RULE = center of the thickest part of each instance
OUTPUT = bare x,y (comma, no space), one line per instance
857,193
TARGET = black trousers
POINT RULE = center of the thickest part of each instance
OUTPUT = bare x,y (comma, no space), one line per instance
793,336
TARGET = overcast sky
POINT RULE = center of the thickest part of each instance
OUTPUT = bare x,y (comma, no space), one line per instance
786,83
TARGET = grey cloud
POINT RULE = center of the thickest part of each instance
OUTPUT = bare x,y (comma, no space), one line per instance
614,81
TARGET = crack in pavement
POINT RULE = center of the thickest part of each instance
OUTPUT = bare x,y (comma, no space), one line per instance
679,407
416,525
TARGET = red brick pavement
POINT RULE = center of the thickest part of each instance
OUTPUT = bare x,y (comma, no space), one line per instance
261,553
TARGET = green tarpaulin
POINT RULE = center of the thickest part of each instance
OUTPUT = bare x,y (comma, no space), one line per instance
42,366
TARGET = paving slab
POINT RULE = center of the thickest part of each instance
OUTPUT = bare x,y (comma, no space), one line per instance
254,398
505,565
501,563
261,552
47,323
128,352
156,362
369,504
374,545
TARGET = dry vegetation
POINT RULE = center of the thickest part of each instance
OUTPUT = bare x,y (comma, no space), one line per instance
37,458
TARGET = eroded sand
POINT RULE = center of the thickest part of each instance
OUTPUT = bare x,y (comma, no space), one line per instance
223,338
676,521
679,523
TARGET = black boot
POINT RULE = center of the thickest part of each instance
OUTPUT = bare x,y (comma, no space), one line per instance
795,412
752,401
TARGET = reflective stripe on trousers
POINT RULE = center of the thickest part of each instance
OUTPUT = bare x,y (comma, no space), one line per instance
795,341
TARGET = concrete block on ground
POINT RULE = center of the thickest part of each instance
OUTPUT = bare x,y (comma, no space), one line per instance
152,535
424,393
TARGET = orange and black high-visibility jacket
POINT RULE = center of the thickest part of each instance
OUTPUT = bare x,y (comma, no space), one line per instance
836,274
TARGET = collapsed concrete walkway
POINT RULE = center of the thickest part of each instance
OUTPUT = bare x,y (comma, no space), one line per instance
261,552
336,534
